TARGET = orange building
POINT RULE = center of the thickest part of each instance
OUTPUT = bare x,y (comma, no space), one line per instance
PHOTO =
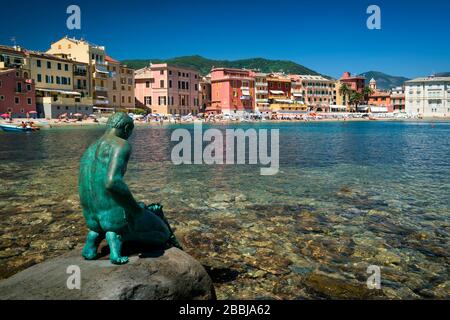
232,91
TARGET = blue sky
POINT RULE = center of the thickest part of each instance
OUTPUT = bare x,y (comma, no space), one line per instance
327,36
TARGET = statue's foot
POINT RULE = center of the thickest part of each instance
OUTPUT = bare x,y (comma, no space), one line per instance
115,247
119,260
89,254
92,242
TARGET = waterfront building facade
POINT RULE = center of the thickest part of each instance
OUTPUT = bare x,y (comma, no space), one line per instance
355,83
166,89
233,90
317,92
204,92
96,58
261,92
398,99
428,97
17,93
379,100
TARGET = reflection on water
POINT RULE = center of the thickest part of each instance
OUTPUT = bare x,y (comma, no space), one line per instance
348,195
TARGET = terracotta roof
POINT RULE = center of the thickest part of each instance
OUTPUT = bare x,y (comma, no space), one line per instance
109,59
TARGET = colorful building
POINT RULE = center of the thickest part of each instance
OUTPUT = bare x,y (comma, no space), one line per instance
261,92
17,94
233,90
102,74
398,99
317,92
204,92
166,89
355,83
380,101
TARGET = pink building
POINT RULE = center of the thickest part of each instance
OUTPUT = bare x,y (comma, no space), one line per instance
17,94
232,90
167,89
355,83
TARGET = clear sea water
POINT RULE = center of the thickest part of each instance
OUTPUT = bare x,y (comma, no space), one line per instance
348,195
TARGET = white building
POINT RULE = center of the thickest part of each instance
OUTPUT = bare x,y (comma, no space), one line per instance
428,97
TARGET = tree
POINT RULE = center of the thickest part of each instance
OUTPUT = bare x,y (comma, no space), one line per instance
345,91
368,91
356,98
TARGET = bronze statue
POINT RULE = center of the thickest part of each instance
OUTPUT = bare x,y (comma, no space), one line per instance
109,208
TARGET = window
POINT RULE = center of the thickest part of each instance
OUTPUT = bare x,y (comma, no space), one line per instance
58,80
16,100
39,78
1,83
66,67
2,98
170,72
19,87
161,72
59,66
147,84
29,101
38,63
161,83
49,65
196,87
129,99
148,101
28,87
114,99
170,83
123,99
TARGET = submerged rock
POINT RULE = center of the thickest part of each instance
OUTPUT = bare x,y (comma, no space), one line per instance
168,275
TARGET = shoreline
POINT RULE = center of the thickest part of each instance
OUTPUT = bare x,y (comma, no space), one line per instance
49,124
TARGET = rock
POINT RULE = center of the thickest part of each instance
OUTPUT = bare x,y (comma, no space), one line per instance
168,275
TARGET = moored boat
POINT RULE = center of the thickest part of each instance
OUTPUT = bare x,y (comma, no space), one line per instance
14,128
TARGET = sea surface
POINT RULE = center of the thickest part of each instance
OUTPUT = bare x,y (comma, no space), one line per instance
348,195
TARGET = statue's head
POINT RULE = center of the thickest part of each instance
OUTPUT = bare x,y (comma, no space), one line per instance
122,123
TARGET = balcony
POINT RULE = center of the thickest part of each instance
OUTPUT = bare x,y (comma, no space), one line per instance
261,84
262,91
100,88
80,73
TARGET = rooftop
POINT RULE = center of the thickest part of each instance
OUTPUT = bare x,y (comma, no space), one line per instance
429,79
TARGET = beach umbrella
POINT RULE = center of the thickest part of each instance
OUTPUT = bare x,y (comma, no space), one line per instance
5,115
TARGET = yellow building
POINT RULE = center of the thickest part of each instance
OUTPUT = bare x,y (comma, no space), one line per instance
106,76
57,90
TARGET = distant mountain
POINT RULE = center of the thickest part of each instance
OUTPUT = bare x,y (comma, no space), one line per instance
204,65
384,81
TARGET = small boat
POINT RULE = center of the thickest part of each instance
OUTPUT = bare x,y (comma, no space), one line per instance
13,128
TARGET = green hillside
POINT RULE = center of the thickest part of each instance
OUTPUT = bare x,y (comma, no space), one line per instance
204,65
384,81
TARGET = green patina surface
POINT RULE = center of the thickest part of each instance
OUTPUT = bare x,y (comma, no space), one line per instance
109,207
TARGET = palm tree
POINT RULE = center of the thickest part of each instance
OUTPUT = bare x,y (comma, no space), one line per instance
367,92
345,91
356,98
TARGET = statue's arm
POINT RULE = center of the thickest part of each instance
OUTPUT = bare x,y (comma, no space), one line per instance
115,184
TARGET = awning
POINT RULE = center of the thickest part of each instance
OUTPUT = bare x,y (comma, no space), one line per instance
297,95
338,107
71,93
363,108
263,103
283,100
245,92
378,109
247,97
101,69
277,92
